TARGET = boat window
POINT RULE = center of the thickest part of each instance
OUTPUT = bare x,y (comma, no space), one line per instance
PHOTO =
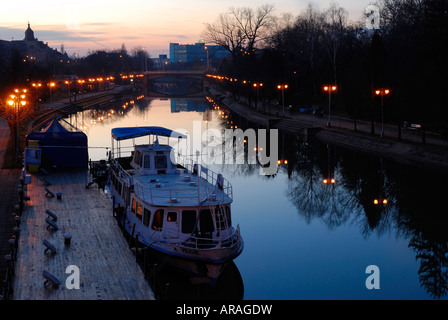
147,163
188,221
139,211
228,216
133,206
171,217
157,221
160,162
146,216
205,221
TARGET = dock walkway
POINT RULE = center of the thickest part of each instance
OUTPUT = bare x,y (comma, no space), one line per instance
107,267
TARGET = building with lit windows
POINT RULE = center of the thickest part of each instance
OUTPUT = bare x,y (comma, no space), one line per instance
198,52
31,50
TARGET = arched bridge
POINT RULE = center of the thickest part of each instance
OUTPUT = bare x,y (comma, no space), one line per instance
174,82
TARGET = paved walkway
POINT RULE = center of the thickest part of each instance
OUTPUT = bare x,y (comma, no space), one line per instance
338,122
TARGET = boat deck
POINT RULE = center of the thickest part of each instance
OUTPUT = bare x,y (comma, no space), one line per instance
182,189
108,270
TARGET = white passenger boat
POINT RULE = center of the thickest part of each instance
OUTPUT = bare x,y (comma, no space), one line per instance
182,210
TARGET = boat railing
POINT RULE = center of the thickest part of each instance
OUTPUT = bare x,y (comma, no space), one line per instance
207,174
194,242
220,191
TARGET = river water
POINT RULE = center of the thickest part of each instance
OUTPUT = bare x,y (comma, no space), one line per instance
305,239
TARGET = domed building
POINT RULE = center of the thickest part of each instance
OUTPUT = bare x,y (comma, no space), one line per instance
32,50
29,34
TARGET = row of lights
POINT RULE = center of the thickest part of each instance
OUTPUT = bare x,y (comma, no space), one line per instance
131,76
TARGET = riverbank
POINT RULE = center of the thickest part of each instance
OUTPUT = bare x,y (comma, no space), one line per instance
409,149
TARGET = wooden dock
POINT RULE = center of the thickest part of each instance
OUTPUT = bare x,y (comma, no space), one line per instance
107,266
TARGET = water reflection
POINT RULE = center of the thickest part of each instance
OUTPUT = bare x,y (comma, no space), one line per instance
378,196
414,198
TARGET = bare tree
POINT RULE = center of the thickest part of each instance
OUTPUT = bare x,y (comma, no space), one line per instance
336,23
310,25
224,32
241,29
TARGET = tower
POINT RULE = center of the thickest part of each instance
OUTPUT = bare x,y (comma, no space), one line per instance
29,34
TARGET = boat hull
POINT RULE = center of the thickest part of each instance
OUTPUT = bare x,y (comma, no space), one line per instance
203,265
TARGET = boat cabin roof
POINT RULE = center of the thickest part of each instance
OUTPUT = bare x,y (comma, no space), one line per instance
125,133
180,189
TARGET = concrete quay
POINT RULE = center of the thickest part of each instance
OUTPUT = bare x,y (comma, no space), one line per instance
95,264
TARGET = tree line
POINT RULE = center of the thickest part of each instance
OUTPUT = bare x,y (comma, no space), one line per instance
18,70
404,52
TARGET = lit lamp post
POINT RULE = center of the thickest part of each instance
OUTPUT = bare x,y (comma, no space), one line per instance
382,93
37,86
81,82
17,100
380,201
283,87
329,181
329,89
257,87
68,85
51,85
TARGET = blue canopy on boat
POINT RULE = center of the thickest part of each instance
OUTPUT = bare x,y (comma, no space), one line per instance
135,132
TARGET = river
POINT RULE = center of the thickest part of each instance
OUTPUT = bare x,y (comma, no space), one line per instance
306,239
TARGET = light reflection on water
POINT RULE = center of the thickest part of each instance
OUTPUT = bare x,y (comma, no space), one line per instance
304,239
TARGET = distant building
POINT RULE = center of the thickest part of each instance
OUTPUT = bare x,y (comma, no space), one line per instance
198,52
161,61
31,49
29,34
188,52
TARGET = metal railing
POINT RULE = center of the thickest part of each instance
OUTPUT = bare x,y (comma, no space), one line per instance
193,242
199,173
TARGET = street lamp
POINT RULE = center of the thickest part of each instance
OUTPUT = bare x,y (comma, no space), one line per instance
81,82
257,87
283,87
69,95
380,201
329,89
37,86
382,92
329,181
51,85
17,100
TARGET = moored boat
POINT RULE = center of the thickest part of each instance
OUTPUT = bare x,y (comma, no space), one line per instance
171,205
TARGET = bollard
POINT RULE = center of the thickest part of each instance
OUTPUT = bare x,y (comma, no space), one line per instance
59,195
67,238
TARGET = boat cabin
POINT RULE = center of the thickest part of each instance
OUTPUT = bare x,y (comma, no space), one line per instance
153,159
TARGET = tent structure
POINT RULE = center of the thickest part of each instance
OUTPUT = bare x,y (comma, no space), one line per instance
55,142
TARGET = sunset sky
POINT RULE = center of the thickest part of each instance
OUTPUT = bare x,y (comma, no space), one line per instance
84,25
